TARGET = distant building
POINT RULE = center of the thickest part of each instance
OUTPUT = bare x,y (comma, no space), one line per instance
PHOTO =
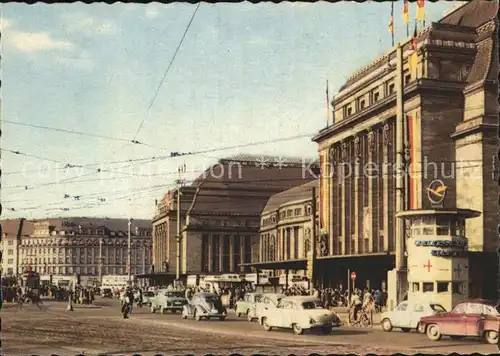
286,229
221,212
69,246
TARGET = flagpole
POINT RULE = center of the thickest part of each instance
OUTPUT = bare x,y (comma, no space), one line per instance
392,19
327,106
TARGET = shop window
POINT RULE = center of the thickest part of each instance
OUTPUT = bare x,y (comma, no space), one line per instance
416,287
428,230
456,288
442,287
428,287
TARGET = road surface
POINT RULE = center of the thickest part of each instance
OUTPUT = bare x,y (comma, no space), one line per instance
100,330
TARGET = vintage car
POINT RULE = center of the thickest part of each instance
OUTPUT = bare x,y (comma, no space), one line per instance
407,315
147,297
474,318
106,293
267,301
168,300
298,313
247,305
204,306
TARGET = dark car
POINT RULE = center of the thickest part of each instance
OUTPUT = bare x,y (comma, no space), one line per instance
204,306
474,318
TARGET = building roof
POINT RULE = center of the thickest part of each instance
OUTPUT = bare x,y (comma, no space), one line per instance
301,192
70,224
243,185
473,15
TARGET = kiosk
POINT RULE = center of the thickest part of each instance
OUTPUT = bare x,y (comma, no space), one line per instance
436,245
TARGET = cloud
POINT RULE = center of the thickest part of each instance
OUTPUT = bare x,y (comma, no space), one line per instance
35,41
81,23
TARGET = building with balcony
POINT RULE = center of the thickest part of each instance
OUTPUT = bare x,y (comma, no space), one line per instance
69,246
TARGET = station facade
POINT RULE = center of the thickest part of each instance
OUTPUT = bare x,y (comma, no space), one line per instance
449,140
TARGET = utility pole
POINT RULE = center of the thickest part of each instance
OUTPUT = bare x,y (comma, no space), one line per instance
400,196
181,170
129,252
100,259
314,242
144,258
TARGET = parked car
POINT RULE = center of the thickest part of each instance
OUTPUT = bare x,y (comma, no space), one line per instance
298,313
247,305
407,315
204,306
266,302
147,298
476,318
168,300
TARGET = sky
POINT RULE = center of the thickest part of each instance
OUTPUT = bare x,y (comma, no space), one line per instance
244,73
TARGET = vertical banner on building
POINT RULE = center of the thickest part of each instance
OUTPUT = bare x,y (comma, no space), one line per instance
406,18
411,167
413,58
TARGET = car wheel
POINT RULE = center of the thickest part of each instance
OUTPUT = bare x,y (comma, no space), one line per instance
406,330
326,330
386,325
266,326
491,337
297,329
153,310
433,332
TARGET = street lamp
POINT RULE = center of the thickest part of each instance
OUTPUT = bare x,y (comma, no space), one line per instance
129,254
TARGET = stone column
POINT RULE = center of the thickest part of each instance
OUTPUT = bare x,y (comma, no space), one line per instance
385,179
357,195
210,253
343,171
242,252
370,219
221,253
232,266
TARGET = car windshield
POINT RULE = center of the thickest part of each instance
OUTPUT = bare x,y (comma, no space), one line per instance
313,304
211,299
438,308
174,294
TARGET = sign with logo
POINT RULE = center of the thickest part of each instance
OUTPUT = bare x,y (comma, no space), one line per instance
442,243
436,192
353,276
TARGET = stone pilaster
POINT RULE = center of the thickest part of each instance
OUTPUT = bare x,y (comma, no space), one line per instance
385,180
368,220
357,195
343,171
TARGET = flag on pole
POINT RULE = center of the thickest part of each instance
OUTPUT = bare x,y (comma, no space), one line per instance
327,105
405,12
413,58
391,23
420,10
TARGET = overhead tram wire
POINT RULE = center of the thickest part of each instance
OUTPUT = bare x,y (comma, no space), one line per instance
167,70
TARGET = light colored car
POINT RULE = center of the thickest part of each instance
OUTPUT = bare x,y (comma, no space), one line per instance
247,305
407,315
266,302
298,313
204,306
168,300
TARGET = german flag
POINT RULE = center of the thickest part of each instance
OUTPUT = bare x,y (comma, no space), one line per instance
420,10
405,12
391,24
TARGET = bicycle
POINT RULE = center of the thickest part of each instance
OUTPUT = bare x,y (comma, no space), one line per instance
363,318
